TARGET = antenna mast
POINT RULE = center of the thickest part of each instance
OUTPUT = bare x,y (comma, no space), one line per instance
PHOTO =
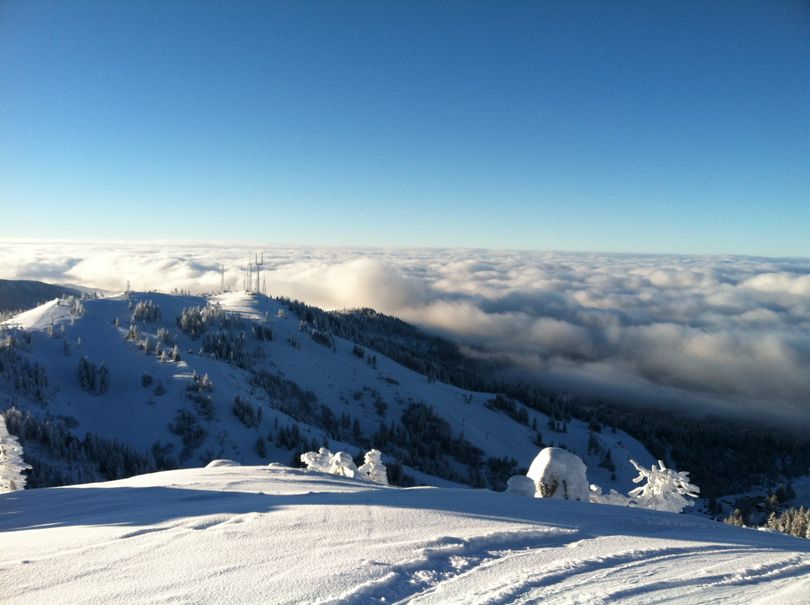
259,265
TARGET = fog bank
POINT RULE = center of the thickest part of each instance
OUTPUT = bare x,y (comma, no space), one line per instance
724,332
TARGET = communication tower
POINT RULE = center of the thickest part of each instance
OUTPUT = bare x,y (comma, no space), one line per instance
253,279
259,265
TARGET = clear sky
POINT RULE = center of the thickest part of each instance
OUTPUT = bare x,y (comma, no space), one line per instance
614,126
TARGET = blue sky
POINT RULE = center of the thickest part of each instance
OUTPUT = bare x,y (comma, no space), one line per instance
608,126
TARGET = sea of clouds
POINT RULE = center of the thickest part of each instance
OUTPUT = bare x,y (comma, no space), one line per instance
723,333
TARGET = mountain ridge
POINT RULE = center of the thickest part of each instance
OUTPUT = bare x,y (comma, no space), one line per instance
161,380
23,294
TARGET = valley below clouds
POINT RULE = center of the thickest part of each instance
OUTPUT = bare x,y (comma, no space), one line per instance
721,333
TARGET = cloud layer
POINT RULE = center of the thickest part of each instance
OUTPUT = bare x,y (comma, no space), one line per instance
727,332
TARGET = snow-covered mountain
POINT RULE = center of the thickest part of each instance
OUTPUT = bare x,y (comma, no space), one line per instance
16,294
159,380
273,534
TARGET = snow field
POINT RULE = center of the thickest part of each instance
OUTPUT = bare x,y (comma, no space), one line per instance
273,534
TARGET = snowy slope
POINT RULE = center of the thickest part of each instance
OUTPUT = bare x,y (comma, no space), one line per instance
273,534
345,383
39,318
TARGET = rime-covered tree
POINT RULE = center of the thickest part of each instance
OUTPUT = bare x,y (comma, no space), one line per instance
342,464
373,467
12,465
665,489
317,461
146,310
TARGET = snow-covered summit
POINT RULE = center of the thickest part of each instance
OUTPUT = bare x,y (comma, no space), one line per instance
273,534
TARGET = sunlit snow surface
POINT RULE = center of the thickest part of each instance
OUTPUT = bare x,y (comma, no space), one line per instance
41,317
278,535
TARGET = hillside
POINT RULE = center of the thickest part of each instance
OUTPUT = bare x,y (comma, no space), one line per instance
275,534
16,294
107,388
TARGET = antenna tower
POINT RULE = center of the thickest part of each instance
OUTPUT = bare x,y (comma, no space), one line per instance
259,265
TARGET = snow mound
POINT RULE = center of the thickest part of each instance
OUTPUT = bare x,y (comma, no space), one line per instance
560,474
521,485
222,462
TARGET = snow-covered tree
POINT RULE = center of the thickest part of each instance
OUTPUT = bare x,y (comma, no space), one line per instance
317,461
342,464
558,473
12,464
613,497
206,383
146,310
665,490
164,337
132,333
373,467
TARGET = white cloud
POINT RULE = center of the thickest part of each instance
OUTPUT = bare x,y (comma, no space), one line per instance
731,331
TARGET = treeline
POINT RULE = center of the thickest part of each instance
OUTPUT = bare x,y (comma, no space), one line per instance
406,344
304,406
749,511
197,320
224,335
24,378
58,457
724,456
421,439
427,442
793,521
